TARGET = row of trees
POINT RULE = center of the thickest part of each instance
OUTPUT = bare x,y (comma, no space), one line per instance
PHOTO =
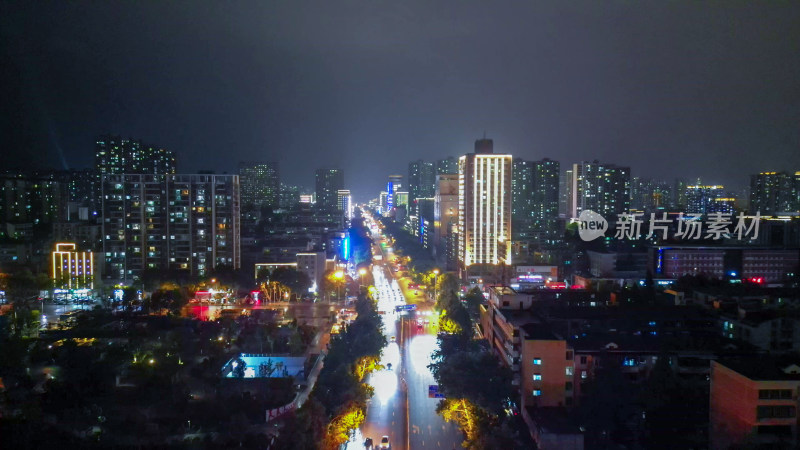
337,404
477,387
408,245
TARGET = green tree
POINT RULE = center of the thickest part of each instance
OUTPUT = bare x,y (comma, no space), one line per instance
170,299
474,299
477,376
262,276
130,295
239,367
292,278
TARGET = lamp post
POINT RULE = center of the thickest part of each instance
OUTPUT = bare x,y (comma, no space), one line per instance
362,271
435,285
339,274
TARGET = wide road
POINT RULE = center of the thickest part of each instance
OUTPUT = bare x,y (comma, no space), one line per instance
400,407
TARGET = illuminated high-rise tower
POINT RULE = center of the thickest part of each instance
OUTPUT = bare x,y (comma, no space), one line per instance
394,185
599,187
259,183
328,183
421,179
484,206
773,193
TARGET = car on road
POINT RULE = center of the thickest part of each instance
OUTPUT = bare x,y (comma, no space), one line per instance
385,443
368,443
393,339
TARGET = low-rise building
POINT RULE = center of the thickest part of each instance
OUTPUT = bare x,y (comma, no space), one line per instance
753,401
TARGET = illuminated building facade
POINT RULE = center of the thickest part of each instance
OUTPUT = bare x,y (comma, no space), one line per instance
180,222
328,183
260,184
115,155
774,193
522,198
345,202
546,177
702,199
32,198
421,179
447,166
72,269
599,187
445,219
394,185
484,206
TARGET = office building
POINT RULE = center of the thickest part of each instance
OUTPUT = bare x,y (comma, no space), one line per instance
394,185
260,184
702,199
445,220
328,183
382,201
446,166
176,222
421,179
599,187
401,199
774,193
546,180
522,198
313,265
424,212
345,204
651,195
771,265
679,194
72,269
289,195
484,212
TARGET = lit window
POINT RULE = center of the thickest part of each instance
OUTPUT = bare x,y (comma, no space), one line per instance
537,392
569,371
537,361
583,374
537,377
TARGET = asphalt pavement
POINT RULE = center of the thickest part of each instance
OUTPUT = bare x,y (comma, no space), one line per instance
401,408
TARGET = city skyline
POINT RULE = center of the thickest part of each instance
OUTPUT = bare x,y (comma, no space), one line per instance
400,225
709,84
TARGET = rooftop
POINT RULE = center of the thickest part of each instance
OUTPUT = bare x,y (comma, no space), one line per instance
539,331
765,367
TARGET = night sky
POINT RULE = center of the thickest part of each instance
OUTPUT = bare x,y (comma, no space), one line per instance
671,88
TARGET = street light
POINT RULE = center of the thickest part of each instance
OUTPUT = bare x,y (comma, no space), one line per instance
435,286
362,271
339,275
